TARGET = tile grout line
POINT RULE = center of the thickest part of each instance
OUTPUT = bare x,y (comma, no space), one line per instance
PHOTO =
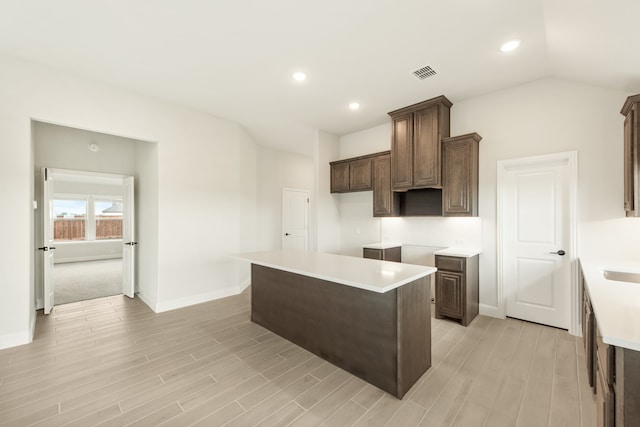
427,410
502,333
528,376
555,356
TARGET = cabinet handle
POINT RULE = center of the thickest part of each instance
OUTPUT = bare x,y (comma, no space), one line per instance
560,252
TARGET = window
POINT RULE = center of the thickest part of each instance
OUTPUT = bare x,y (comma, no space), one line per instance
108,219
87,218
70,217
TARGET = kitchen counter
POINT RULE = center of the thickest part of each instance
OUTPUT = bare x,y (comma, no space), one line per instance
368,274
381,245
371,318
458,252
616,304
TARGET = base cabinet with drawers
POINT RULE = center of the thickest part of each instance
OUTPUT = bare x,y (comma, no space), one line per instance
457,288
383,253
613,372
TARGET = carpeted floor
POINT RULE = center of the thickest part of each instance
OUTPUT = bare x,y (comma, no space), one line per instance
80,281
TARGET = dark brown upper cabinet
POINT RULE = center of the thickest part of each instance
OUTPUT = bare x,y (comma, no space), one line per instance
460,175
417,131
351,175
385,202
631,157
354,174
370,172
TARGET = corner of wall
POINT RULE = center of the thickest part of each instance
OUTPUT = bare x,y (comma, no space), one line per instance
490,310
17,338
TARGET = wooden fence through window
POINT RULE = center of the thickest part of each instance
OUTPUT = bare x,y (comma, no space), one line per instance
75,229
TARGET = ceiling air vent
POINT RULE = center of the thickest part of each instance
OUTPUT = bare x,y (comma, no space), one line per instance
424,72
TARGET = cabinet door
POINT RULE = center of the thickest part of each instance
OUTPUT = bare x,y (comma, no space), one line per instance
460,177
588,335
384,201
629,154
402,152
340,177
426,148
360,175
605,403
449,294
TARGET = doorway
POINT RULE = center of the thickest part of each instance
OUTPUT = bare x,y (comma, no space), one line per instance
73,148
537,205
87,242
295,219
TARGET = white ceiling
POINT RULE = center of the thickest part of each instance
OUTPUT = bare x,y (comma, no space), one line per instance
234,58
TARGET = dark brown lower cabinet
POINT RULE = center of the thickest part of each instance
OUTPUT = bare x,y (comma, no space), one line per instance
613,372
387,254
382,338
457,290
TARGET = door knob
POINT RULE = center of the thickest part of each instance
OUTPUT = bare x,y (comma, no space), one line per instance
287,234
560,252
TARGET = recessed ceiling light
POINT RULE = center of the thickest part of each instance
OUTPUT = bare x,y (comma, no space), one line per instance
354,106
510,45
299,76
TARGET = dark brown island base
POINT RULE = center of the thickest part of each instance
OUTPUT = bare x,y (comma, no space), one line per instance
370,318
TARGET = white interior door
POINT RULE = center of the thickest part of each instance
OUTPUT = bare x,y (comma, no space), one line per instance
295,219
47,248
128,237
536,241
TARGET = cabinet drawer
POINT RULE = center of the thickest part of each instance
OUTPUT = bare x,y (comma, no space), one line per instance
372,253
606,356
449,263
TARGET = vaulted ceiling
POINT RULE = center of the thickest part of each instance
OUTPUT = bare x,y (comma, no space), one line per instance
235,58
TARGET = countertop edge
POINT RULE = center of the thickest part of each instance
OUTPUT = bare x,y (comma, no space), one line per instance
426,271
459,252
602,295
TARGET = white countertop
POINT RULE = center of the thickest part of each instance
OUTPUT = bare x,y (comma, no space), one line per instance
363,273
459,252
381,245
615,304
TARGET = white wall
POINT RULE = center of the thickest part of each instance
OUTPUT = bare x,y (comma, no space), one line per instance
545,116
147,213
327,211
277,170
83,251
68,148
206,170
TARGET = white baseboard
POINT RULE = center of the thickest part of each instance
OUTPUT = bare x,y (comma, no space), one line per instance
32,326
16,339
490,310
87,258
145,299
200,298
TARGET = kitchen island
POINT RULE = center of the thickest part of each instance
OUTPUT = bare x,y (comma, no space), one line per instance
369,317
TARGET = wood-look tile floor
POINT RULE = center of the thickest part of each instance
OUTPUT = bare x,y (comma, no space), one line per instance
113,362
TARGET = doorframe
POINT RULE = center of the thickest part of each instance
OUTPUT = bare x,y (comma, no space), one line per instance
307,212
77,176
571,157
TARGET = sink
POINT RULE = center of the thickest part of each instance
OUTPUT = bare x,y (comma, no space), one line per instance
621,276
